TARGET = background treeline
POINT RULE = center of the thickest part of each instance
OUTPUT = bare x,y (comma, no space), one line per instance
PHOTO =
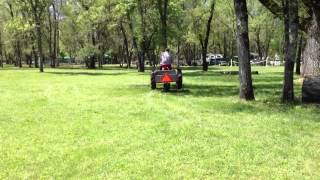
94,32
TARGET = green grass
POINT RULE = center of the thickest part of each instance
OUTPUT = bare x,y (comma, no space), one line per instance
83,124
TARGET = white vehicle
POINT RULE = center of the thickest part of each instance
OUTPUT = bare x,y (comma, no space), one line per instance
209,57
215,59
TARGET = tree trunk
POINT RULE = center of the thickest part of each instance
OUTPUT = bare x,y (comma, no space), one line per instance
311,54
269,33
141,59
57,53
91,62
143,43
298,59
16,42
29,59
1,59
39,42
291,35
232,44
35,56
101,60
187,53
246,88
52,63
126,45
225,47
205,42
178,53
1,52
194,54
311,58
9,59
266,50
121,55
163,11
6,57
205,65
135,45
37,13
19,54
92,59
258,42
55,37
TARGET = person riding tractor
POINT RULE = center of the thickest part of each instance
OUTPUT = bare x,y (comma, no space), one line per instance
166,60
166,75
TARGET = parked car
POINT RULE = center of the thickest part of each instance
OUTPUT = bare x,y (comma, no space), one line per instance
215,59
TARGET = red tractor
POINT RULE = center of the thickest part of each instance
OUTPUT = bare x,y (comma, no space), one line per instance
166,77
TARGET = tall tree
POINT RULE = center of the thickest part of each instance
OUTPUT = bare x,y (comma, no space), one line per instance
56,34
126,43
142,27
53,32
1,55
163,11
310,24
311,55
291,21
201,13
298,58
37,9
50,29
204,41
16,43
246,88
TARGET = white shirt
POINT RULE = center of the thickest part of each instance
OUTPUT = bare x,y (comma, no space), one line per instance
166,58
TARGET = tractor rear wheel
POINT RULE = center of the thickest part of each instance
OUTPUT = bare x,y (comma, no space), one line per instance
153,85
180,80
153,82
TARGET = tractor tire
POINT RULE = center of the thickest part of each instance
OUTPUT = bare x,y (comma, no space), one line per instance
179,82
153,85
166,87
153,82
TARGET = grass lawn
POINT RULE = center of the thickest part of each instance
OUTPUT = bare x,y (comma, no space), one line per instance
86,124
